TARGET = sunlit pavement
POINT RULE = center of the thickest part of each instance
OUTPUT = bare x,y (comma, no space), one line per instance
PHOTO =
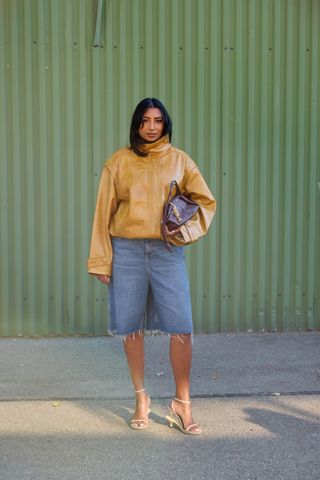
66,404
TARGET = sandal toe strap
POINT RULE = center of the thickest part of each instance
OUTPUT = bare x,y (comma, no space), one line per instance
192,425
137,420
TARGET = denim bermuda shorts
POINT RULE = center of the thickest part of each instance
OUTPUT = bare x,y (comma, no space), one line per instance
149,288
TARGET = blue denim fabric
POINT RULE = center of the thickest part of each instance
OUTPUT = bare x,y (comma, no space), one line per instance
149,288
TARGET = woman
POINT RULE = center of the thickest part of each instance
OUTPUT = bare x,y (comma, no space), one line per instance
148,284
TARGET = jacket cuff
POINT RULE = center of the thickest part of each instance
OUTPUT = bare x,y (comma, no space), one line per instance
100,266
189,234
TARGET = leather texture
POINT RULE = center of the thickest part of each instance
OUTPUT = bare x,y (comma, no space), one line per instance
132,193
178,210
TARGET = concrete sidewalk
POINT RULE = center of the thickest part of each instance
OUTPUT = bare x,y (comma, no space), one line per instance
65,404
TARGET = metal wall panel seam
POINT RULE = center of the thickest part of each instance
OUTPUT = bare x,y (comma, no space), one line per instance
313,264
250,306
313,279
80,152
294,283
271,196
263,301
107,74
277,171
40,116
239,162
225,208
280,55
208,293
15,181
4,194
122,79
162,52
303,77
151,63
214,158
232,169
56,270
172,63
196,258
293,280
29,290
201,138
256,129
83,310
116,71
286,239
97,135
186,120
68,184
184,124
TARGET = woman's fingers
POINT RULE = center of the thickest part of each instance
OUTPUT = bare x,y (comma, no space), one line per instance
169,233
104,279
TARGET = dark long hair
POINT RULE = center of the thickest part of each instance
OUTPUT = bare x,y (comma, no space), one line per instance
135,140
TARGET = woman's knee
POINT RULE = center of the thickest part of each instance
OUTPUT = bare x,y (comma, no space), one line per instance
184,338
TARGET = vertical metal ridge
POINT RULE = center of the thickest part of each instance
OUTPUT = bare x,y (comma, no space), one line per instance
275,50
5,312
41,173
56,173
251,307
28,222
83,213
15,182
212,244
303,76
239,51
224,203
313,239
288,153
200,147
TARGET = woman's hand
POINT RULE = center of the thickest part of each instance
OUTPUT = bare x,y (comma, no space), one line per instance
172,232
104,278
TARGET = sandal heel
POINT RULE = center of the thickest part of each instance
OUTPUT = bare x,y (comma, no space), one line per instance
170,422
175,419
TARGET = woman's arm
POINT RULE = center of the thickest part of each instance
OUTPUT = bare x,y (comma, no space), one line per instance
100,258
195,187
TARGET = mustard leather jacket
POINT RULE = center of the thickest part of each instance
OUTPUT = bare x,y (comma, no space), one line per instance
131,196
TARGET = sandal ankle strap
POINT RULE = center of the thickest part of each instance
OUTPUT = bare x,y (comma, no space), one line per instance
139,391
182,401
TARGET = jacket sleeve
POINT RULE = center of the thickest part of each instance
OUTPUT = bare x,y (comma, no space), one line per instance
195,187
100,258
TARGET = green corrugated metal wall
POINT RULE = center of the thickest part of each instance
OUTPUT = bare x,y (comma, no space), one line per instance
241,80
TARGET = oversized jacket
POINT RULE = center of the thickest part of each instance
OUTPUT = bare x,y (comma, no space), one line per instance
131,196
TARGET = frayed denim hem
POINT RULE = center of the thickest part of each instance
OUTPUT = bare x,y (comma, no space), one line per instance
150,333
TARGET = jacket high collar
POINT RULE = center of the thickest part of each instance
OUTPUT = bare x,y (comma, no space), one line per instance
158,148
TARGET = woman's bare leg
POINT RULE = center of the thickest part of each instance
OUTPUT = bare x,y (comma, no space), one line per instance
181,358
134,349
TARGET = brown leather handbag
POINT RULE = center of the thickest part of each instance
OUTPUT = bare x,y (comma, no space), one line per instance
177,210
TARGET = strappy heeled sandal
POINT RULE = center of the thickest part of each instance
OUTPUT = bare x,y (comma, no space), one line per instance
141,423
175,419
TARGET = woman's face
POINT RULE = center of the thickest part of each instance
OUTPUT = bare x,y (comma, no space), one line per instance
151,127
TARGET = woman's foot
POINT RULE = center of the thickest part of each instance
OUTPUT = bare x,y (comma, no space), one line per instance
140,418
181,415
